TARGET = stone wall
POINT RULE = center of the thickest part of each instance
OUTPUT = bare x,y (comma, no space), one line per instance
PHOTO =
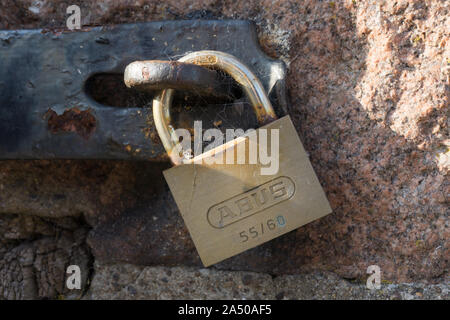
368,85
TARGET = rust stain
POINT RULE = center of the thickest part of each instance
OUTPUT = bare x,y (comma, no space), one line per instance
150,131
263,117
268,46
208,60
72,120
145,73
154,137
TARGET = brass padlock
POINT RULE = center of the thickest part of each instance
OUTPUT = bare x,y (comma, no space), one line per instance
229,198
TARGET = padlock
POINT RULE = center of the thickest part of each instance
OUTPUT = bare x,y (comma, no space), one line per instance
233,201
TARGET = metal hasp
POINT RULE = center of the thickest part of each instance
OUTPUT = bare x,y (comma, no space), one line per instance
46,112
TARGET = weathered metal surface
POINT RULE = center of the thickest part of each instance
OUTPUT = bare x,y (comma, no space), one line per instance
160,75
46,112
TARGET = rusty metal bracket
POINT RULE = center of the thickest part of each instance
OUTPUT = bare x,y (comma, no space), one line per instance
46,112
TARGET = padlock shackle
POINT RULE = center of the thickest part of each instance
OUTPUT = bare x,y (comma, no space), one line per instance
217,60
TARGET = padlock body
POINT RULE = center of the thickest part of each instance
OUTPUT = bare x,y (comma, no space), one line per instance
230,208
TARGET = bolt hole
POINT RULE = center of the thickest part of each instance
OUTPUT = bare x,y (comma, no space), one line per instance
110,90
